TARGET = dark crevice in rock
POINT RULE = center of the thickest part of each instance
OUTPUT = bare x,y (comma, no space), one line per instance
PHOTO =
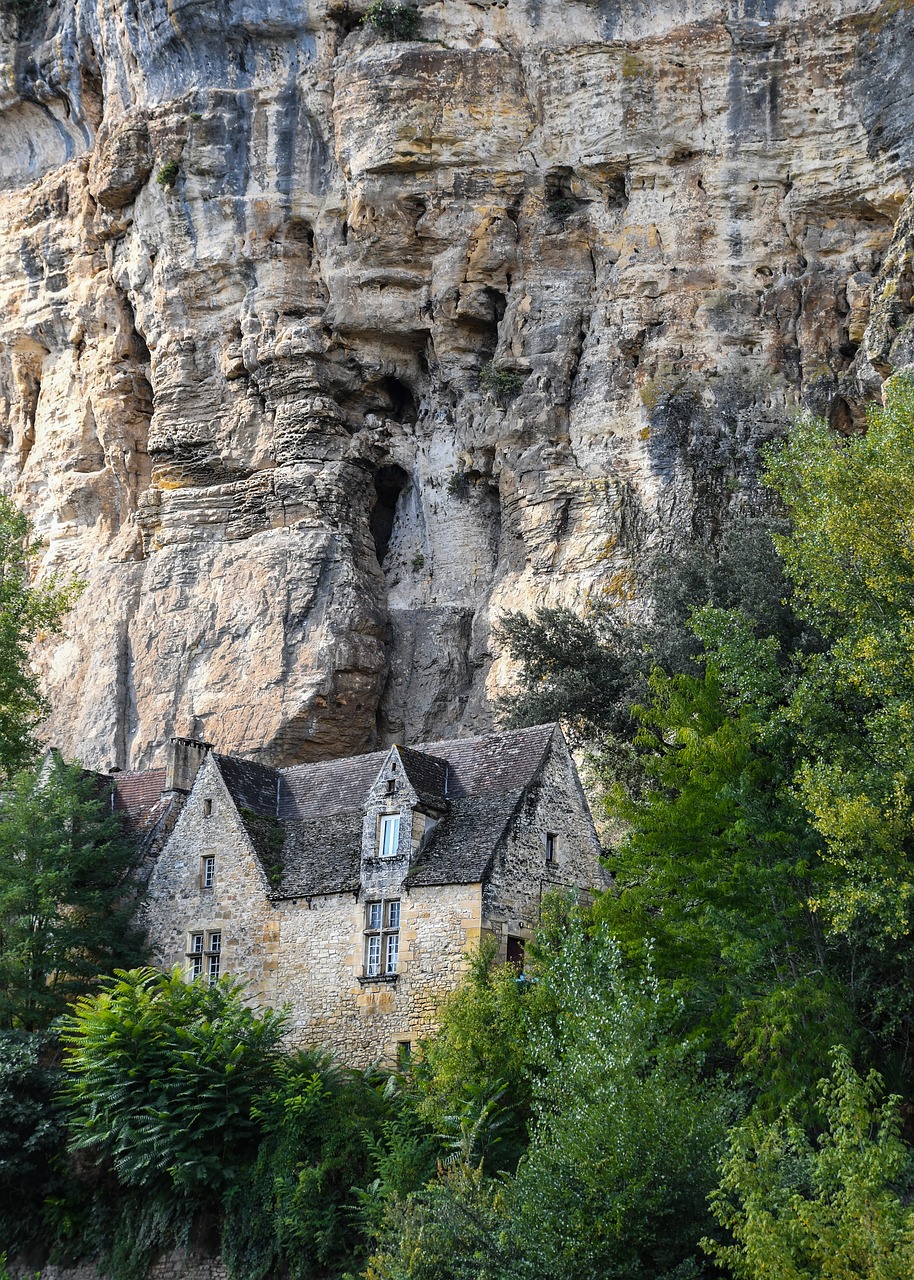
390,481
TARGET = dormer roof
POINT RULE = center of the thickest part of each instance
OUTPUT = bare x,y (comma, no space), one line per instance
427,774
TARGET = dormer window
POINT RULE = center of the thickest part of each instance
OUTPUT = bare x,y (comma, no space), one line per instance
389,835
391,786
207,808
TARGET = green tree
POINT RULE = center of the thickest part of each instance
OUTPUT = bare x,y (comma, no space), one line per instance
164,1081
838,1209
850,555
27,612
32,1137
714,876
480,1050
590,671
622,1154
67,893
294,1207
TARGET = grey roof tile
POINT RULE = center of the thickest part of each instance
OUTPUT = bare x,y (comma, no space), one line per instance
322,855
252,786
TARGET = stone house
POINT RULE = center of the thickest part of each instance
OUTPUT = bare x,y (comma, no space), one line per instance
351,890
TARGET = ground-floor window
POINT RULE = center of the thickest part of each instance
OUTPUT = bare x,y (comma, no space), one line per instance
382,937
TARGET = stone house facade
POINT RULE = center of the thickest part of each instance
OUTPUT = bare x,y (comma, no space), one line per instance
352,890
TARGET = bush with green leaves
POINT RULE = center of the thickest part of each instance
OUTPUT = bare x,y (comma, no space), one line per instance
295,1208
838,1208
168,174
68,893
502,384
32,1138
164,1080
392,21
479,1050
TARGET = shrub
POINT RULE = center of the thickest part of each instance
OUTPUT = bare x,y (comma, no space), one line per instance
503,384
562,206
393,21
168,174
32,1135
418,561
457,484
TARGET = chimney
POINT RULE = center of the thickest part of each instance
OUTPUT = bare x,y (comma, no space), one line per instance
184,757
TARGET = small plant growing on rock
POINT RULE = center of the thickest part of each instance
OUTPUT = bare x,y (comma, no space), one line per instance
458,484
392,21
418,562
562,206
168,174
503,384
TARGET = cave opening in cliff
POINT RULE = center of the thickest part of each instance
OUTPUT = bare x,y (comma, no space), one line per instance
399,398
389,483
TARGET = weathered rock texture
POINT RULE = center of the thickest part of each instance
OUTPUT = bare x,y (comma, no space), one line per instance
253,261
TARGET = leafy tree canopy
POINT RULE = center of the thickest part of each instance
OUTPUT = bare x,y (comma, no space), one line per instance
850,554
67,895
836,1209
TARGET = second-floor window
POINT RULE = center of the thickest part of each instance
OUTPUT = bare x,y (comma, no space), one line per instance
382,937
207,872
389,835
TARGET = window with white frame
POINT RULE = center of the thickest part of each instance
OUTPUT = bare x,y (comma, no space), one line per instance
388,834
382,937
207,872
195,955
204,955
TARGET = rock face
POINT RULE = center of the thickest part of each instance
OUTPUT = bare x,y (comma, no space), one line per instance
318,351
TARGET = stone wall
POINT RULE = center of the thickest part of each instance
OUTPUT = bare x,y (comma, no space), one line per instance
237,906
521,875
177,1265
322,959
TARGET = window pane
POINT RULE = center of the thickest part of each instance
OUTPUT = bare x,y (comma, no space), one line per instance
215,942
390,835
391,951
196,967
373,956
393,915
373,915
209,872
196,942
214,967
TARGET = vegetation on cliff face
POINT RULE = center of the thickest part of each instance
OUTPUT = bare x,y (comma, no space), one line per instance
27,612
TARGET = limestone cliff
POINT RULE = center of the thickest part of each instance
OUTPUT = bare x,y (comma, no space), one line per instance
319,351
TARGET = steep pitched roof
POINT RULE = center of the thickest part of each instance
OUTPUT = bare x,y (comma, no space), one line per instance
485,777
478,782
429,775
328,786
252,786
